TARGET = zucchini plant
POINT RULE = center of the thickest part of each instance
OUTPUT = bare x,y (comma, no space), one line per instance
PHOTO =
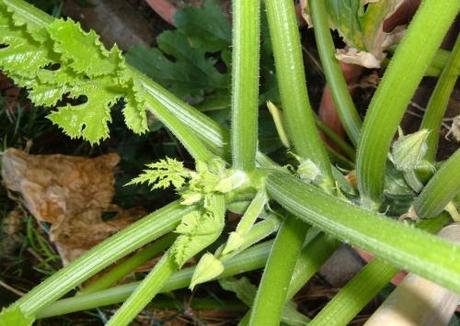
310,206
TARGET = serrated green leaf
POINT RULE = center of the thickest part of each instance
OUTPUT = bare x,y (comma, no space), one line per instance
21,56
163,174
14,317
198,230
90,119
73,72
83,51
21,17
134,111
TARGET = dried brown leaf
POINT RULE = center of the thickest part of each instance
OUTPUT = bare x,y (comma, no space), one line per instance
70,193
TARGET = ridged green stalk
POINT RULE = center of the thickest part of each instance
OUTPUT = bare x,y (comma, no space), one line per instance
439,100
129,265
300,121
145,292
405,247
186,136
271,294
404,73
441,189
365,285
251,259
119,245
245,82
344,103
312,256
310,261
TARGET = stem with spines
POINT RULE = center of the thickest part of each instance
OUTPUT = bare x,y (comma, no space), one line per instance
301,128
365,285
439,100
271,295
249,260
300,121
145,292
130,264
107,252
411,59
403,246
245,82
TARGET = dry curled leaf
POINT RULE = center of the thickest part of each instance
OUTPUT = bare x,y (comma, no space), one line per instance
71,194
455,129
360,23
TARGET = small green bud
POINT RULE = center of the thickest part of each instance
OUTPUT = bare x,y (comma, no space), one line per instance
408,151
308,171
208,268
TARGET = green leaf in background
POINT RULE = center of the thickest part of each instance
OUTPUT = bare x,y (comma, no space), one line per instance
207,27
190,73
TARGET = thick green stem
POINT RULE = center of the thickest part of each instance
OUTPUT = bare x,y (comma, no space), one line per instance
186,136
271,295
251,259
436,108
300,121
245,82
365,285
145,292
395,91
124,242
405,247
441,188
129,265
344,103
